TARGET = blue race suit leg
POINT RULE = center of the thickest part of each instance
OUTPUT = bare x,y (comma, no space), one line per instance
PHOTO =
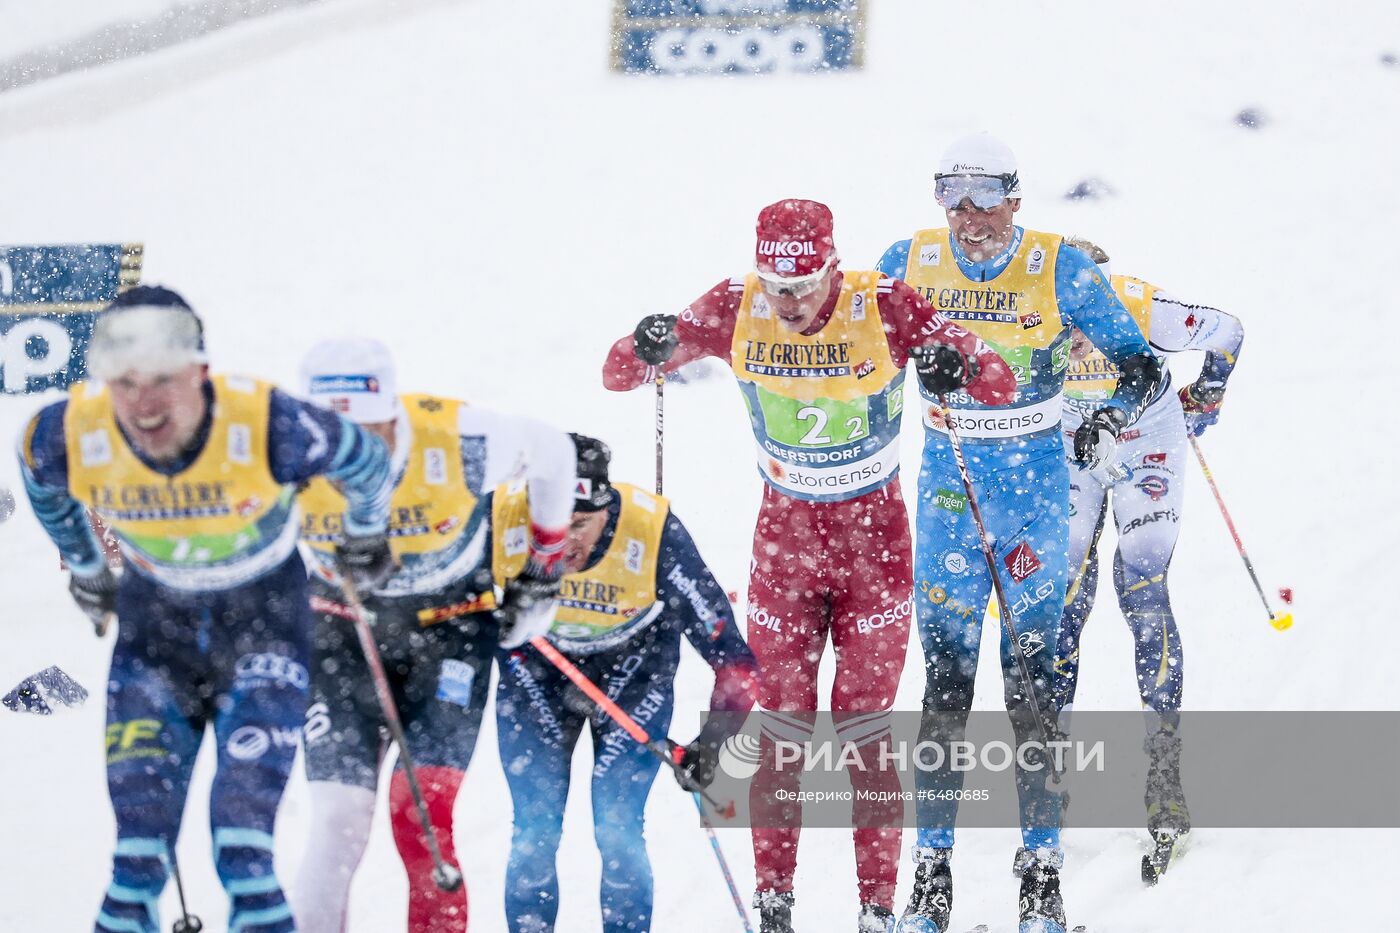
260,640
623,771
155,722
1024,501
536,732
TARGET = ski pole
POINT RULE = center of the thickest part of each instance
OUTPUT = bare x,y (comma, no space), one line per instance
660,423
661,748
188,922
445,876
1279,621
989,554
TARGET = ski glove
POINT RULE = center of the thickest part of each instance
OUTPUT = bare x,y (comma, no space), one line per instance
695,764
527,606
1096,438
942,368
97,597
1200,401
655,338
365,560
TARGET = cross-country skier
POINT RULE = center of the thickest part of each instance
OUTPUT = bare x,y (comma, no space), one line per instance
635,585
435,640
1021,291
196,477
1146,493
819,355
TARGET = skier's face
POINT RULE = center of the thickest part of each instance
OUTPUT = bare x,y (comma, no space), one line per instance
1079,345
160,413
797,312
585,528
981,234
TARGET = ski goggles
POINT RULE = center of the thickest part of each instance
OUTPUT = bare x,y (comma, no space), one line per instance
984,191
795,286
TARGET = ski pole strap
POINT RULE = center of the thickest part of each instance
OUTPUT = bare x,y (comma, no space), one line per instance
591,690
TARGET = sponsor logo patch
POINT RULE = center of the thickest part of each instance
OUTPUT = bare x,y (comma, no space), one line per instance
1153,486
1021,562
951,501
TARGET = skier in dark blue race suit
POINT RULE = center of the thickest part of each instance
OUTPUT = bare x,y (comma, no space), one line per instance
195,476
636,585
1022,292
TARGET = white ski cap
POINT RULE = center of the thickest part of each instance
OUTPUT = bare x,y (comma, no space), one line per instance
980,154
147,329
354,376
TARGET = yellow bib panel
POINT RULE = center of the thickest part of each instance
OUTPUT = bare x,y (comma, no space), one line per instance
1017,314
824,407
1092,380
219,523
606,604
429,514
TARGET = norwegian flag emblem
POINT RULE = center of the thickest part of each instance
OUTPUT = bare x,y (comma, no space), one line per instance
1022,562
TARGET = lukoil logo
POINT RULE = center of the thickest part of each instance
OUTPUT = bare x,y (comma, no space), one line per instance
760,616
786,248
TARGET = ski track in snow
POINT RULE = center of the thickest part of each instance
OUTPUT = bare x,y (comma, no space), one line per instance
467,182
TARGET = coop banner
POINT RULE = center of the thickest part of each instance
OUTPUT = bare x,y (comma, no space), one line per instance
737,36
49,299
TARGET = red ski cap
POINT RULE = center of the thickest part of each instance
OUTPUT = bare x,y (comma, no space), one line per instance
794,238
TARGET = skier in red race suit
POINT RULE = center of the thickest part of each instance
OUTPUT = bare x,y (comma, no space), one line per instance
819,355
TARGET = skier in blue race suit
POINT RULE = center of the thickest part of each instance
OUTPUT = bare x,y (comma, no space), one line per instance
1022,292
195,475
635,585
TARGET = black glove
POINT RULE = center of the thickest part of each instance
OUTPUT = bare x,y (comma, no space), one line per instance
695,764
97,597
527,607
1096,438
365,560
1200,403
942,368
655,338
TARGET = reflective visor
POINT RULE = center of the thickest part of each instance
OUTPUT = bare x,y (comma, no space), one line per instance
984,191
795,286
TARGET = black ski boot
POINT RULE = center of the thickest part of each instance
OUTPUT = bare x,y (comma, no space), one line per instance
931,904
1168,820
774,911
1166,804
875,919
1042,908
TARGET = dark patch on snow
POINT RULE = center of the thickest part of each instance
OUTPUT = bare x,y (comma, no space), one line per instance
1090,189
1251,118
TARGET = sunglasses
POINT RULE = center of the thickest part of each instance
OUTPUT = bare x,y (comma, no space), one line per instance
984,191
795,286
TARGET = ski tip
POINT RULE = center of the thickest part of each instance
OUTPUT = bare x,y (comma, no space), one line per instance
1283,621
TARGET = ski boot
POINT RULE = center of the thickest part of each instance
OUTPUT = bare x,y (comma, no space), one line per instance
1042,908
931,904
875,919
774,911
1168,819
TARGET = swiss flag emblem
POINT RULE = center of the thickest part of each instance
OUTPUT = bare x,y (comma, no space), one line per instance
1022,562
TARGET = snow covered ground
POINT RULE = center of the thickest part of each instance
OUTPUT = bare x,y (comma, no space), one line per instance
465,180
